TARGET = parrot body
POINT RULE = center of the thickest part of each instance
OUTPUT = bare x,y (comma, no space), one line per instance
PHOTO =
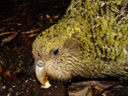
91,41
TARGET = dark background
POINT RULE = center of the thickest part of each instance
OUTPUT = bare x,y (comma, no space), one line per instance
20,22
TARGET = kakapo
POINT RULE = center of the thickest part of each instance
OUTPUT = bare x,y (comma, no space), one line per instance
91,41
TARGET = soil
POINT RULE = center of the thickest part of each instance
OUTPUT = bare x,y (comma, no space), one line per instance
20,22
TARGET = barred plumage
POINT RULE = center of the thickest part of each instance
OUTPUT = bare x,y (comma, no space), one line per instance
92,39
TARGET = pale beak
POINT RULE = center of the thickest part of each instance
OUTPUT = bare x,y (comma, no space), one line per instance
41,76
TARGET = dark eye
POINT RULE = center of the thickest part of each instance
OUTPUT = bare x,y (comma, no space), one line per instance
55,52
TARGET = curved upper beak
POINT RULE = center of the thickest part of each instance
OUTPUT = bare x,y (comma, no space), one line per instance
41,76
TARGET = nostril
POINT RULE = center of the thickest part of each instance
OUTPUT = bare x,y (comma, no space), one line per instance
40,63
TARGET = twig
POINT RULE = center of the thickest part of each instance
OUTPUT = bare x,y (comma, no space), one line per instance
32,35
108,88
6,33
1,61
7,19
31,31
9,38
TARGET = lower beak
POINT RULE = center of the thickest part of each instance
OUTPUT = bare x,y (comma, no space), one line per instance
41,76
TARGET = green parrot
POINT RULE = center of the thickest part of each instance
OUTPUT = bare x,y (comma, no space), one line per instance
90,41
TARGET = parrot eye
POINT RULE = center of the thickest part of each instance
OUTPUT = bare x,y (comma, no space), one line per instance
56,51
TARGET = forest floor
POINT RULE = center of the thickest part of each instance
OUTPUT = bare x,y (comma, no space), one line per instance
20,22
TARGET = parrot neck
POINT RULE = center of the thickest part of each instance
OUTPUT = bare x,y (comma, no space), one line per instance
76,8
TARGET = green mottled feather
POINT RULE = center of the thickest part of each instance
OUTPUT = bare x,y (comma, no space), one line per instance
101,27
